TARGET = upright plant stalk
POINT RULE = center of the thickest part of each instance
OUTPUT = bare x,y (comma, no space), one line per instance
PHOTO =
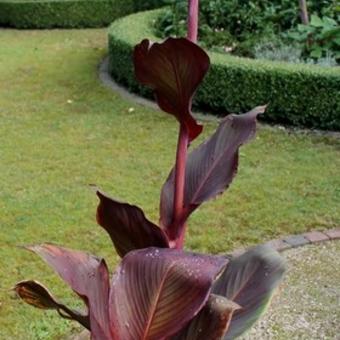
177,237
193,20
304,12
181,158
182,146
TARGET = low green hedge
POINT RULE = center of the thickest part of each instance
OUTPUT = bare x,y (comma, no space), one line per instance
300,95
63,13
68,13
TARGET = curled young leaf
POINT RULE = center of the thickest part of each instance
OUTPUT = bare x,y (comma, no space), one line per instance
174,69
210,167
250,280
35,294
167,287
127,226
88,276
212,322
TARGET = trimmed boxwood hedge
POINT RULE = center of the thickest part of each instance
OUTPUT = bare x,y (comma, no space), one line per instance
297,94
68,13
50,14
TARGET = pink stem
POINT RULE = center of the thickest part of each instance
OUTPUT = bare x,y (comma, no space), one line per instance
193,20
176,234
181,159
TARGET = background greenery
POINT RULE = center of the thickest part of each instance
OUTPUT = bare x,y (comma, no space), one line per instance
302,95
60,130
246,27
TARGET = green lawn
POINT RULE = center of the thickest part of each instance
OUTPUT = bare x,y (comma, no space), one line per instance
60,130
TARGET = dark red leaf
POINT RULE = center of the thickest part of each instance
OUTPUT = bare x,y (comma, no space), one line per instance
155,292
174,69
127,226
250,280
212,321
35,294
210,167
88,277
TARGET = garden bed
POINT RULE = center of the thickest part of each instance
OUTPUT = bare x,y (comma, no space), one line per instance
261,29
300,95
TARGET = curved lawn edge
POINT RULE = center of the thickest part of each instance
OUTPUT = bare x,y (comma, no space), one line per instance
298,240
300,95
108,81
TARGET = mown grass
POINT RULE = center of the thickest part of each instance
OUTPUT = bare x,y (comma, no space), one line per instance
60,130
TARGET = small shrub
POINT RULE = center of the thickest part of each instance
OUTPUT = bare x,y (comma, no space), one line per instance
320,38
276,50
327,61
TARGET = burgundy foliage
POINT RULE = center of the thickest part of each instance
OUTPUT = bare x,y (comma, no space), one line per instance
87,276
174,69
154,293
158,292
210,169
35,294
212,321
127,226
249,280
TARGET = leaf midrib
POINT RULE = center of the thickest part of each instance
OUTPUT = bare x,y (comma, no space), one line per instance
236,294
194,197
154,305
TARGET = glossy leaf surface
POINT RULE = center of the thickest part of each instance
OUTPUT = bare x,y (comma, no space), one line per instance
88,277
249,280
211,166
35,294
173,69
127,226
212,321
155,292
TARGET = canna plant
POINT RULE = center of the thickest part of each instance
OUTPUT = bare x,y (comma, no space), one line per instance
160,291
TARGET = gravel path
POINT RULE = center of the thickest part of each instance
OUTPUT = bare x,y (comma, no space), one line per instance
307,305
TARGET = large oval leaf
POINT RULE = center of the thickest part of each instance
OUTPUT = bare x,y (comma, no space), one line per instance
88,277
212,321
250,280
127,226
174,69
35,294
210,167
155,292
